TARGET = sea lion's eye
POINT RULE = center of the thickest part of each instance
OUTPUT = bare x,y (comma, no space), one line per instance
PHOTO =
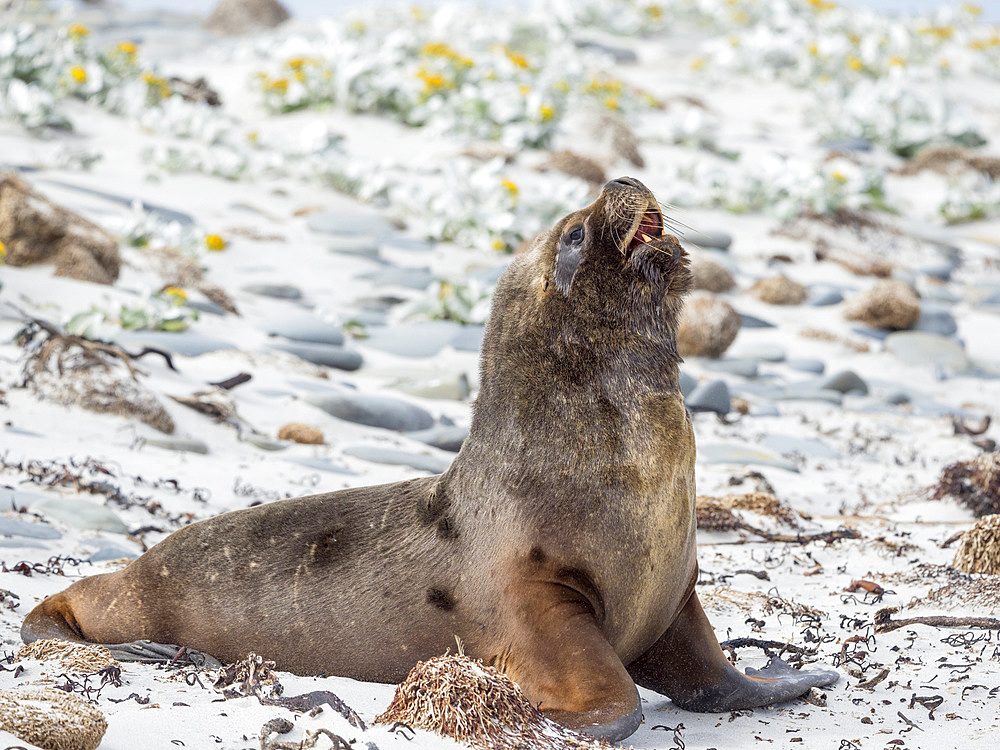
576,236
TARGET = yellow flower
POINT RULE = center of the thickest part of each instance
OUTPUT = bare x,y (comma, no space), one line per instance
971,9
3,252
822,5
157,83
510,187
433,81
839,177
814,49
611,102
499,244
525,89
698,63
547,111
297,62
418,13
853,38
77,31
897,60
127,48
300,76
941,32
252,137
78,74
562,86
654,11
358,27
215,242
517,58
855,63
279,84
178,295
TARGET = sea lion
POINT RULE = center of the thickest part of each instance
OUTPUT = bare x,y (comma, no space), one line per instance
559,546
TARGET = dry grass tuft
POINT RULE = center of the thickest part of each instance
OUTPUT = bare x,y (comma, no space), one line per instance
975,484
979,549
476,705
84,658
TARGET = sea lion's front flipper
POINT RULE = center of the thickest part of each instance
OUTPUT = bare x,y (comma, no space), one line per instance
688,665
149,652
565,665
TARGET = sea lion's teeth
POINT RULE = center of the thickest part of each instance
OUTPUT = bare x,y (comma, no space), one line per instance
646,237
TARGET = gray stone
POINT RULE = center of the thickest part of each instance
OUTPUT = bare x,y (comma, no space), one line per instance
408,278
789,444
896,398
806,364
10,429
845,381
469,338
452,387
417,340
277,291
714,239
938,293
18,527
111,551
809,392
935,318
303,327
825,297
21,543
751,321
398,242
375,454
207,306
686,382
847,144
361,245
710,396
445,437
941,270
350,221
920,348
80,514
320,464
731,453
264,443
321,354
621,55
763,351
742,366
185,343
129,201
182,445
374,411
879,334
764,410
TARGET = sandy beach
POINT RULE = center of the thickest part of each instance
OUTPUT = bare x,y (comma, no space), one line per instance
328,212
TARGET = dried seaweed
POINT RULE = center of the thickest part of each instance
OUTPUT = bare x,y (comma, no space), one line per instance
975,484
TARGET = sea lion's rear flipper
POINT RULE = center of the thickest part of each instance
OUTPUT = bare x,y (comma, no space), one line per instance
565,665
688,665
148,652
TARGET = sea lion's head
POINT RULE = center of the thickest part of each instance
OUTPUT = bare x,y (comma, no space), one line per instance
607,275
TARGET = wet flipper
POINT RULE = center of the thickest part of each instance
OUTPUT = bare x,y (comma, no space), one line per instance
688,665
565,666
148,652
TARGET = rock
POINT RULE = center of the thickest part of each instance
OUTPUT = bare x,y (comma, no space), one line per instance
17,527
445,437
103,393
112,551
919,348
716,239
811,392
181,445
301,433
352,222
277,291
730,453
764,410
128,201
35,230
745,367
824,297
469,338
762,351
844,381
80,514
789,444
361,245
979,548
374,411
417,340
941,270
890,304
710,396
806,364
847,144
408,278
452,387
779,290
264,443
303,327
897,398
399,243
710,275
575,165
621,55
708,325
319,464
234,17
686,382
751,321
375,454
936,319
185,343
51,719
873,333
321,354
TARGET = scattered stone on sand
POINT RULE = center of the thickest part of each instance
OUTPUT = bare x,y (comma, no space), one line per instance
303,327
276,291
730,453
890,304
407,278
927,349
26,529
319,464
710,275
374,411
185,343
416,340
979,548
351,221
807,364
446,437
975,484
718,240
181,270
765,351
707,327
321,354
51,718
475,705
752,321
453,387
711,396
104,393
180,445
33,229
575,165
745,367
845,381
779,290
792,445
84,658
234,17
80,514
858,263
393,457
687,383
937,319
824,297
298,432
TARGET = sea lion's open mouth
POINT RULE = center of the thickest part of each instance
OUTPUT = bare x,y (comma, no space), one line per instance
648,228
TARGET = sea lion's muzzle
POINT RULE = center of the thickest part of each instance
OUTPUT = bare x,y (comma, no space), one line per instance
629,200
